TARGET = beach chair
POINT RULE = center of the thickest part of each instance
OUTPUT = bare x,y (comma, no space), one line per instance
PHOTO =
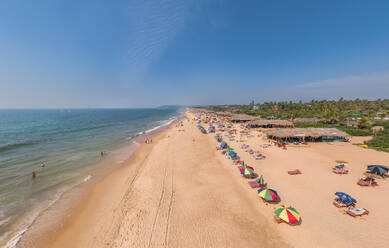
277,219
341,204
340,171
295,172
354,212
255,184
367,182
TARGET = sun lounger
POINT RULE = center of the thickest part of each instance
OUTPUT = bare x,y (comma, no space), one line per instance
339,171
255,184
368,182
341,204
277,219
295,172
354,212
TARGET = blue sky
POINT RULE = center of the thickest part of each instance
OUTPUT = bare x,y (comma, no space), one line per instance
95,53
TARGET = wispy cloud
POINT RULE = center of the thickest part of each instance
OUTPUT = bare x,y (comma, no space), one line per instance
153,25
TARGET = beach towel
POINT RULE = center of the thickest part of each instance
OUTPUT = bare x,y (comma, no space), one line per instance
357,211
295,172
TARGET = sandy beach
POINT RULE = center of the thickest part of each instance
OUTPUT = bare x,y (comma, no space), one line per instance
180,191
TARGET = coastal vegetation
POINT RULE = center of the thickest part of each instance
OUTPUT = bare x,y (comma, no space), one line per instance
355,117
331,112
353,131
380,139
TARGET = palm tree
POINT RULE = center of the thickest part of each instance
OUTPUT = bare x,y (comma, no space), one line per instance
364,122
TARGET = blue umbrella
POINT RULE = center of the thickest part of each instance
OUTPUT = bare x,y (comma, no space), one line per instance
202,129
232,154
377,169
223,145
345,197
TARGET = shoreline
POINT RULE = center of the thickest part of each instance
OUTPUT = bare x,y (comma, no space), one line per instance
63,206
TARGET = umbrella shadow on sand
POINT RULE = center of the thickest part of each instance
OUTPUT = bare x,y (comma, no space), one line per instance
369,174
253,176
297,223
275,202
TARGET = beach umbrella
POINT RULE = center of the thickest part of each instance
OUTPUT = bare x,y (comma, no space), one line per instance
267,194
345,197
377,169
287,214
247,171
246,166
232,154
261,181
223,145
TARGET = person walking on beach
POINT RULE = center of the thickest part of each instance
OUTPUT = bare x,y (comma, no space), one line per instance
33,175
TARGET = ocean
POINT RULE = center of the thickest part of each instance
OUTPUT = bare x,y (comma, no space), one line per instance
68,143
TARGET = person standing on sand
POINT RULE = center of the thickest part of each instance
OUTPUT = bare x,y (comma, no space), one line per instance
33,175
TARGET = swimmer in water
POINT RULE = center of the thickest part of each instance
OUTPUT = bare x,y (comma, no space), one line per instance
43,164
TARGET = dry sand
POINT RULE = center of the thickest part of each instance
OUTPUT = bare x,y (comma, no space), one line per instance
312,193
177,192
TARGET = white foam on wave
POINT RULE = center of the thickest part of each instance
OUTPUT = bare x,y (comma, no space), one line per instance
165,123
4,221
16,239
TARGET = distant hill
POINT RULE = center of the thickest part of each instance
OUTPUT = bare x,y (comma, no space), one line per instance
170,107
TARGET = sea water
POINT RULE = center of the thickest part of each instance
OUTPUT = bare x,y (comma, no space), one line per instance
68,143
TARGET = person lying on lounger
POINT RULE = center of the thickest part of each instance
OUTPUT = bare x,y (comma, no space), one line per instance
367,181
340,203
340,169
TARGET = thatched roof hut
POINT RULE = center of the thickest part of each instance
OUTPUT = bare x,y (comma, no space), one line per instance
222,114
242,118
270,123
313,134
313,119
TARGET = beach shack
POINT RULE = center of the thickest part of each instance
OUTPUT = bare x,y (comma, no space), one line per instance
263,123
242,118
307,134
